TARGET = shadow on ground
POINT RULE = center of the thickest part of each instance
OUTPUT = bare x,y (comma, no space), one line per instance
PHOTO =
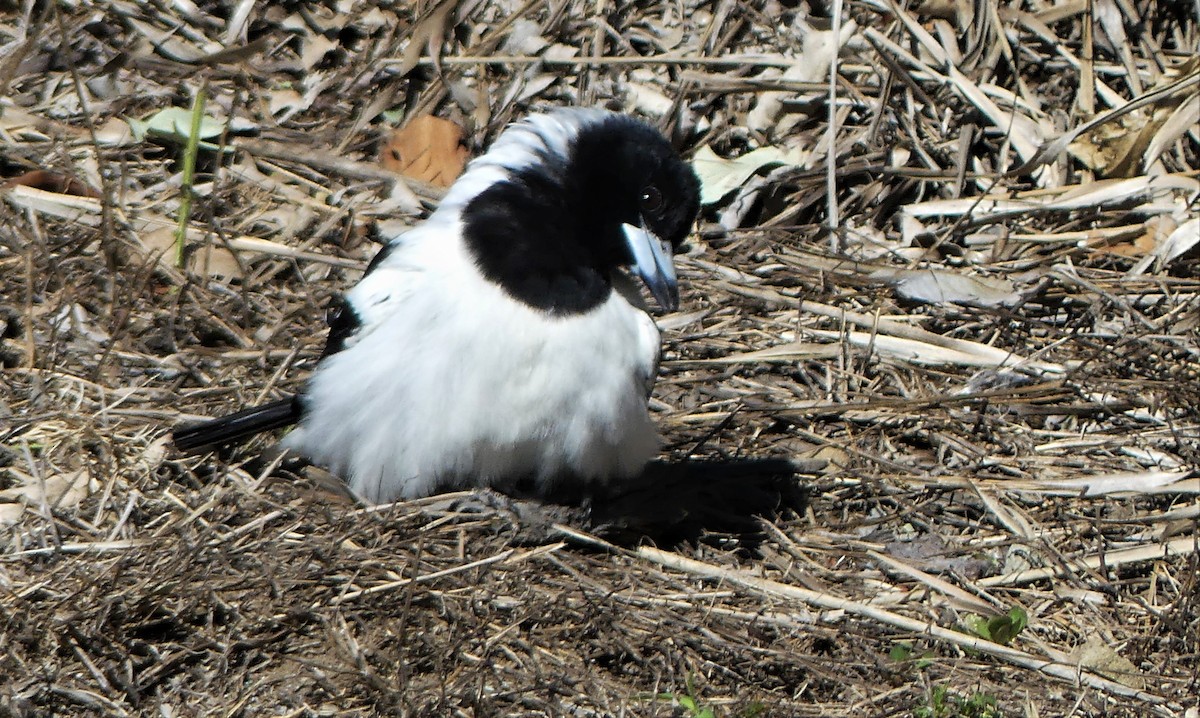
717,502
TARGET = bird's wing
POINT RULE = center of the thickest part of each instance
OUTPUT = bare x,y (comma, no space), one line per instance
651,342
400,269
380,294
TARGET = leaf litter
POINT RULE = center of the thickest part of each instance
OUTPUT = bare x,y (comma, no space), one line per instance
974,399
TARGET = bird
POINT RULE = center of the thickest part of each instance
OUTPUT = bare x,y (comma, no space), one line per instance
503,342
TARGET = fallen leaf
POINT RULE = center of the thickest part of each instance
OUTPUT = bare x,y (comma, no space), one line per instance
1183,120
115,132
1099,657
284,102
720,176
1115,149
171,44
939,286
1184,238
1135,482
72,317
532,87
429,149
154,454
972,354
819,48
55,491
10,513
157,231
175,124
1128,144
1145,242
836,460
647,94
426,32
54,204
210,260
314,49
1170,242
525,38
1052,149
1103,193
51,181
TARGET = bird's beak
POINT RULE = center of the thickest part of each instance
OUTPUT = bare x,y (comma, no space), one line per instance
652,263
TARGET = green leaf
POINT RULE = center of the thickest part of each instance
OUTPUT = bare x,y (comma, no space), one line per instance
1003,629
1019,618
979,626
175,124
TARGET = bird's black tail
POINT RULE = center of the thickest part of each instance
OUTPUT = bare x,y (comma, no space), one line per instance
238,427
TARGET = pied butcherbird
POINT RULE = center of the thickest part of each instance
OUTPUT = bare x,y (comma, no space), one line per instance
500,343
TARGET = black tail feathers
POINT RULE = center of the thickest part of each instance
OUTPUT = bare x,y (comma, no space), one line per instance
238,427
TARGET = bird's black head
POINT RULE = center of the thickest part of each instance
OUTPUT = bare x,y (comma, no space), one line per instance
584,193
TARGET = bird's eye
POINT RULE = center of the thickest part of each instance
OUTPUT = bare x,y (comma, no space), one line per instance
651,199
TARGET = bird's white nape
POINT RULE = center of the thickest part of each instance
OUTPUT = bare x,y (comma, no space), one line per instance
523,144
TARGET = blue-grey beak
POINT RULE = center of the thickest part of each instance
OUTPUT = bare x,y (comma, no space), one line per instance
652,263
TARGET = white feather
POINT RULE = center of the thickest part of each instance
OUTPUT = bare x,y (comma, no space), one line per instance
519,146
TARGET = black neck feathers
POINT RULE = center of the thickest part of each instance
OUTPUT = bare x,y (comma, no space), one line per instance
550,234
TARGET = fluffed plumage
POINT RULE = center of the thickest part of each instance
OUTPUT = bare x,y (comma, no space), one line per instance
498,343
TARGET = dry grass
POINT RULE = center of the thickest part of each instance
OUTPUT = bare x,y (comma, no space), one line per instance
1030,446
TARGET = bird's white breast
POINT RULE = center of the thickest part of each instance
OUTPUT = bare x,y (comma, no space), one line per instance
452,383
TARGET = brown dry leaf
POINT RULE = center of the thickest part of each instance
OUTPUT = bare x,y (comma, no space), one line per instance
1096,655
427,32
1157,229
1140,247
51,181
820,49
429,149
173,45
114,132
1120,148
315,48
10,513
836,459
940,286
1113,150
1171,242
209,260
57,491
282,103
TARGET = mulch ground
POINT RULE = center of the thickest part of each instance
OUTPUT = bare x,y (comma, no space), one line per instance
937,463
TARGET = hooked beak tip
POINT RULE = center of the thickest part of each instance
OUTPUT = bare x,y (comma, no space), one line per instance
670,301
652,263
